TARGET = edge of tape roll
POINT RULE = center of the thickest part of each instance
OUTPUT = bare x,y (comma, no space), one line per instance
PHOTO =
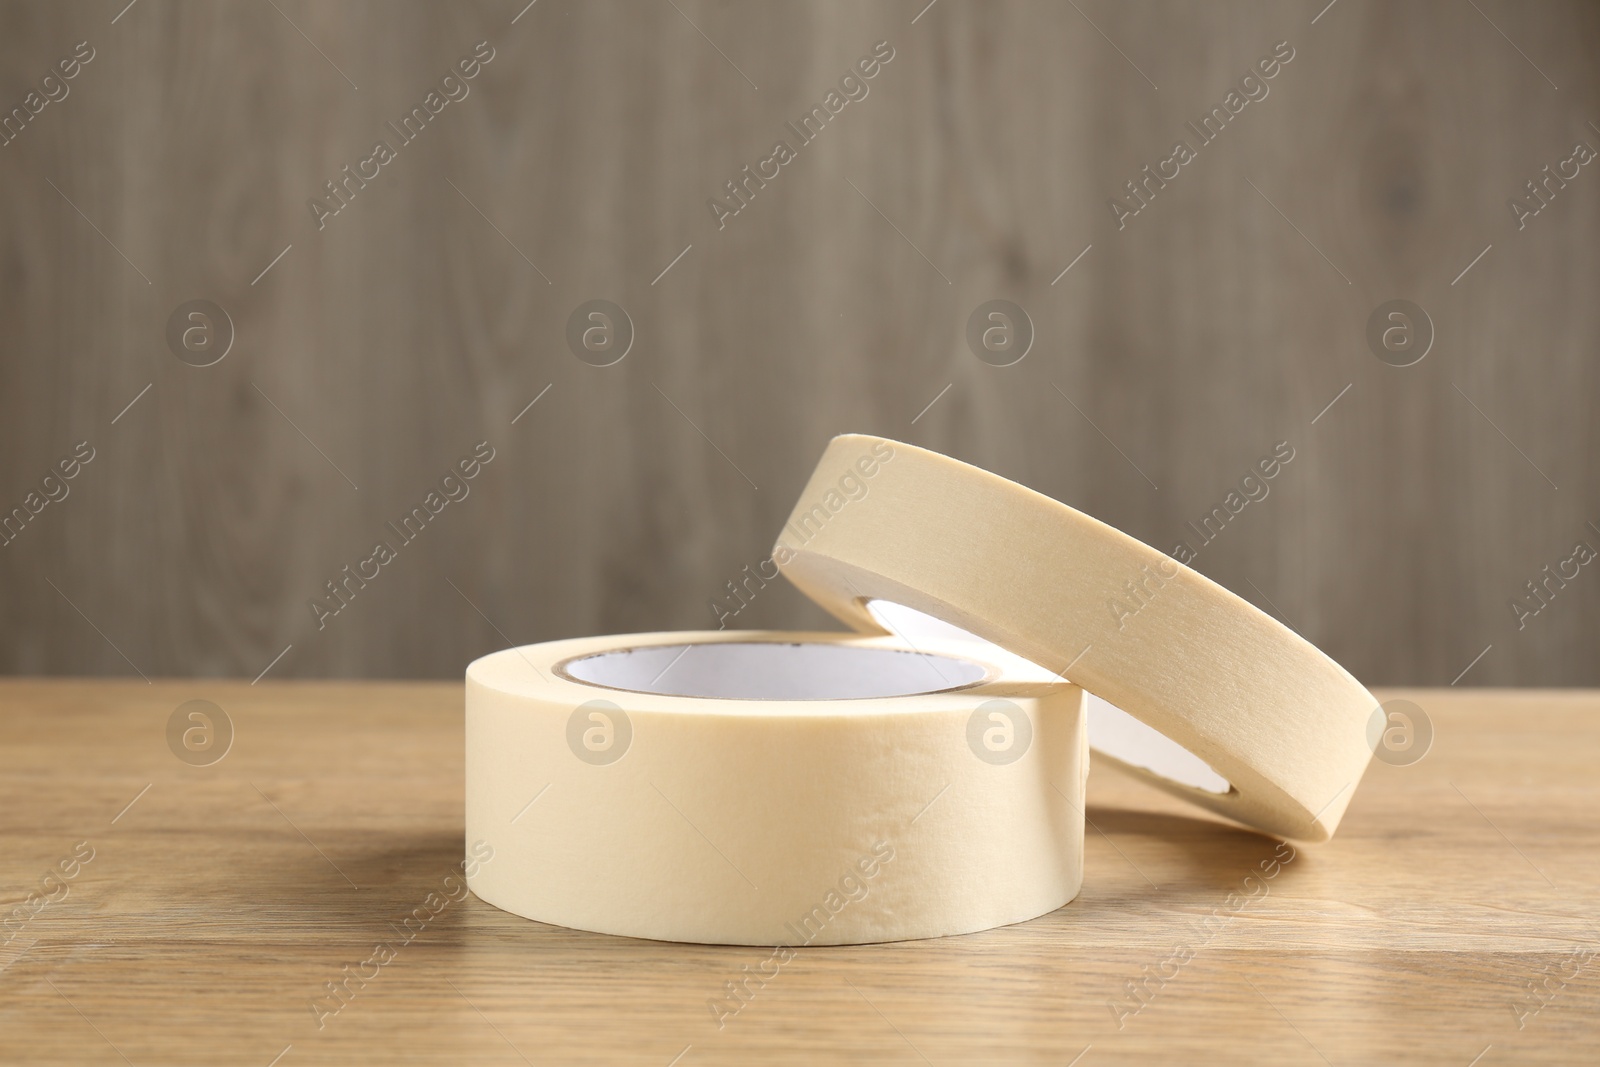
707,818
1280,720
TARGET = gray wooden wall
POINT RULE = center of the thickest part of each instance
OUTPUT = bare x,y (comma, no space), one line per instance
421,319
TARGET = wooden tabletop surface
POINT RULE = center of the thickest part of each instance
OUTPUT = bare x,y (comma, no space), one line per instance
163,913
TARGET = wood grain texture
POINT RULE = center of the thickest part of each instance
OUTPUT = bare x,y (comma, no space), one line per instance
220,901
1222,319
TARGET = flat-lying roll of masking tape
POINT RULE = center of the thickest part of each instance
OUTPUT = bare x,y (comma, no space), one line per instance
1283,724
757,788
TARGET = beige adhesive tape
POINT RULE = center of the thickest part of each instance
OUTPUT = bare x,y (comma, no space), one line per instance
756,788
1280,722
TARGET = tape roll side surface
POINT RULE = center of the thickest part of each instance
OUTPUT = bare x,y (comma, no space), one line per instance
735,821
1283,723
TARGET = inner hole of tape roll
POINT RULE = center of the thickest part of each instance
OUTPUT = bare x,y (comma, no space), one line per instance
767,670
1111,730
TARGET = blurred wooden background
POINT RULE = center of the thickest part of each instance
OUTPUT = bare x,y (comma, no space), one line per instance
428,313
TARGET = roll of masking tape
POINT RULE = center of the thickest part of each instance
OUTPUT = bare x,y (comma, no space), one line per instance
1256,723
756,788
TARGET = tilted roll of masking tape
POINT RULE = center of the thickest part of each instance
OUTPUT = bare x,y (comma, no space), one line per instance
1283,724
757,788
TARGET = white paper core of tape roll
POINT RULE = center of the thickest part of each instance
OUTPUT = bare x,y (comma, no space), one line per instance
1112,731
773,671
775,789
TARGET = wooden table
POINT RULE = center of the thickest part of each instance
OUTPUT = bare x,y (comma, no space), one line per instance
1453,917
